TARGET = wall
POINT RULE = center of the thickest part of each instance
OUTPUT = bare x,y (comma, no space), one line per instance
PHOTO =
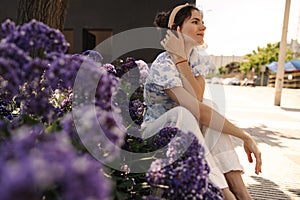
222,61
94,20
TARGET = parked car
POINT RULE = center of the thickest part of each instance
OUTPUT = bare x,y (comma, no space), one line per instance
208,80
231,81
226,81
247,82
216,80
235,81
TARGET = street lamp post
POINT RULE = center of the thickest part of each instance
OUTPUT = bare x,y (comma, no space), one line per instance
262,70
280,69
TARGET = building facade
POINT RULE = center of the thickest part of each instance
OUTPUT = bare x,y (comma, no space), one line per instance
90,23
222,61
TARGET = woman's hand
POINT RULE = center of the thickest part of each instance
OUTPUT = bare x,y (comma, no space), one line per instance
251,147
174,44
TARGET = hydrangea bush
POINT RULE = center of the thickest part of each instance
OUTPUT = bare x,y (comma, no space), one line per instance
43,146
36,90
35,165
185,177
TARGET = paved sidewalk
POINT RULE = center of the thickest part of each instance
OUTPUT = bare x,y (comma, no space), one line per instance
277,132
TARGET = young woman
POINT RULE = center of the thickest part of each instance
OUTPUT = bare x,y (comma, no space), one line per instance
174,96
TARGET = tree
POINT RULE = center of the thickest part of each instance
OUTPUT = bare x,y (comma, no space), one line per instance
222,70
233,67
262,57
50,12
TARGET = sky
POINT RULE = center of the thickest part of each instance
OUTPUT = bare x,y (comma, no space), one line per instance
237,27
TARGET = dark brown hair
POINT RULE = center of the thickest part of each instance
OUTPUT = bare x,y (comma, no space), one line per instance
162,18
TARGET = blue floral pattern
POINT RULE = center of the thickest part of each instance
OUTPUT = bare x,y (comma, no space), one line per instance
164,75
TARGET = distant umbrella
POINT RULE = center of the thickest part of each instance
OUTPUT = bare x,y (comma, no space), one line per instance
296,63
292,65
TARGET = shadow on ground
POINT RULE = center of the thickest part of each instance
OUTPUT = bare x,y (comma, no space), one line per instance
295,191
265,189
263,134
290,109
270,137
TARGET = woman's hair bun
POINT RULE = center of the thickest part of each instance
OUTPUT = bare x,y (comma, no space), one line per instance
161,19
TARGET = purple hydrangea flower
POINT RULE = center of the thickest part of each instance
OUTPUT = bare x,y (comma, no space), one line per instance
110,68
107,88
136,110
7,27
35,165
24,84
187,176
66,104
62,71
97,86
37,35
34,70
35,103
100,132
164,137
13,52
5,110
10,79
123,67
213,192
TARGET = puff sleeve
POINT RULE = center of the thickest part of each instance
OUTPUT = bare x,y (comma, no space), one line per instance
165,74
200,62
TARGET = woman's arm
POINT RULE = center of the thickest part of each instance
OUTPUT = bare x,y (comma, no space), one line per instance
176,47
191,83
201,81
211,118
204,114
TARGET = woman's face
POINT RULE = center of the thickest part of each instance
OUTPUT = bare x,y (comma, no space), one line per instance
193,29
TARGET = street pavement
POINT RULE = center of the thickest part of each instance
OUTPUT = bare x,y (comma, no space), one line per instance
276,130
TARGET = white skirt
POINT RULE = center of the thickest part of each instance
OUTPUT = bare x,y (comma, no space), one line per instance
220,153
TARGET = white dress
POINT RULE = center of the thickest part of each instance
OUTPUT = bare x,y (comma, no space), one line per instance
162,112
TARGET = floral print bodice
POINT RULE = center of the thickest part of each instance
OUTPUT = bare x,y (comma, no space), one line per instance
163,75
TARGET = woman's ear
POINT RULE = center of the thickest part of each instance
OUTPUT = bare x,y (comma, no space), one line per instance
178,28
